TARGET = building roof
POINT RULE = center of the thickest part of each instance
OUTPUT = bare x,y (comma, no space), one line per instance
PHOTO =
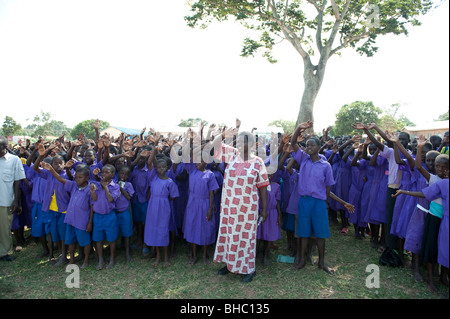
428,126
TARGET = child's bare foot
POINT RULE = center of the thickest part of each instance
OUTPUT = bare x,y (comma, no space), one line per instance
166,263
206,261
111,264
100,264
84,265
325,268
156,262
192,261
299,264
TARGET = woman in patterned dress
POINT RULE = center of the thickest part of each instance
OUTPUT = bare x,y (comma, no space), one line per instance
245,181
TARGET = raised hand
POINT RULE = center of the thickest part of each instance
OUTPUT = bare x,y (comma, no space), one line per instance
46,165
359,126
421,141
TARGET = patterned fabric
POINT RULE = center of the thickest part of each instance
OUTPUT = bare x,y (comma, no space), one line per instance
236,241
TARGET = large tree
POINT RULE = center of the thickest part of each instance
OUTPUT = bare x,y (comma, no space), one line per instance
313,27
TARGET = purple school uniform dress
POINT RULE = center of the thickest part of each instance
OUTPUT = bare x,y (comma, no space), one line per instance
180,177
415,229
159,212
358,174
24,218
440,190
377,202
404,204
292,207
335,166
140,180
365,196
197,229
270,230
343,182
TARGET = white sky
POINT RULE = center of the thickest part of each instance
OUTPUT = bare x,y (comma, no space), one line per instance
136,64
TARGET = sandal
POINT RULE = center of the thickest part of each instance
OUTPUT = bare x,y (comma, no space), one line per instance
344,230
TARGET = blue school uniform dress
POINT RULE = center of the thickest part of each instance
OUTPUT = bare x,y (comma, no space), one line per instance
78,214
314,177
197,230
124,219
105,223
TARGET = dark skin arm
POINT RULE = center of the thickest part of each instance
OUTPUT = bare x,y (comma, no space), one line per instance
209,213
415,194
349,207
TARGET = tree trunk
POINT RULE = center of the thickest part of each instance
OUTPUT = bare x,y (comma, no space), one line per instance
313,78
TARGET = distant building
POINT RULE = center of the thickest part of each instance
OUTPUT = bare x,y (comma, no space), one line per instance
428,129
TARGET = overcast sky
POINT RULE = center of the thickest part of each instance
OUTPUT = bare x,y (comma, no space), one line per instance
136,64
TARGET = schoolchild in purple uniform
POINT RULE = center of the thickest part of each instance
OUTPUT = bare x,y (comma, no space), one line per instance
370,172
316,178
425,157
393,175
343,179
104,195
439,189
289,175
79,215
269,231
159,213
122,209
404,205
55,201
377,202
199,227
359,167
139,180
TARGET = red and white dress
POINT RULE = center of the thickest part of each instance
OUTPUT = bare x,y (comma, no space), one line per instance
236,241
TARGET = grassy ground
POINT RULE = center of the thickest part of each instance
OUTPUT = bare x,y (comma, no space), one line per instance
31,277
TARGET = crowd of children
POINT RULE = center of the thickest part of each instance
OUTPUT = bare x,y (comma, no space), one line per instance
78,194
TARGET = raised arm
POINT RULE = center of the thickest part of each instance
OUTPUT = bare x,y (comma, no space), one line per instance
420,144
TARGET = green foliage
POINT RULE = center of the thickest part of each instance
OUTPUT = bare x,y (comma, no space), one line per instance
10,127
87,128
288,126
358,111
191,122
443,117
358,27
43,125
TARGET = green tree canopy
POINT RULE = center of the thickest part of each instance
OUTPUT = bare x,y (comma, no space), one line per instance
87,128
10,127
288,126
358,111
191,122
313,27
